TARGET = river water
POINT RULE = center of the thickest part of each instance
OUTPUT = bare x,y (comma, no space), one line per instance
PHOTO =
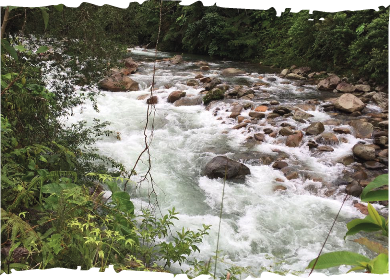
262,229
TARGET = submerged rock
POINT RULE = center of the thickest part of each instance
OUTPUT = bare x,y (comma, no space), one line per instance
221,165
236,110
327,138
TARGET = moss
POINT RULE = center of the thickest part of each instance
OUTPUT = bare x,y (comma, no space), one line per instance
215,94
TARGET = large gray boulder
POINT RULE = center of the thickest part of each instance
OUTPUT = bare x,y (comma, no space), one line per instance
362,129
349,103
362,151
381,99
221,165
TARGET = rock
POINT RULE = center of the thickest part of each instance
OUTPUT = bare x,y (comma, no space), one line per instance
214,94
362,129
281,110
131,65
273,116
118,82
381,99
271,79
366,152
187,101
256,115
218,166
175,95
363,88
280,188
205,80
301,116
274,102
279,164
152,100
199,76
224,87
332,122
244,91
201,63
205,68
268,130
362,208
294,140
345,87
342,130
306,107
241,125
312,144
315,128
176,59
261,108
384,153
329,83
259,137
236,110
301,70
295,76
327,138
286,131
232,72
373,165
325,149
349,103
360,175
290,173
347,160
192,83
143,96
214,82
354,189
284,72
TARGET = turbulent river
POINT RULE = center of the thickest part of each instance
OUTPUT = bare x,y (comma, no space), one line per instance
262,228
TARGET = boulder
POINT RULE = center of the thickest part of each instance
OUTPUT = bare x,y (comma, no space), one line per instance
236,111
241,125
295,139
300,115
118,82
349,103
362,151
256,115
268,130
221,165
315,128
295,76
342,130
212,84
214,94
381,99
345,87
130,64
205,68
232,72
244,91
354,189
284,72
205,80
274,102
327,138
192,82
176,59
301,70
362,129
175,95
279,164
201,63
259,136
373,165
363,88
329,83
187,101
281,110
286,131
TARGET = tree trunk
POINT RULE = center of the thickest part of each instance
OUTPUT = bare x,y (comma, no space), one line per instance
5,21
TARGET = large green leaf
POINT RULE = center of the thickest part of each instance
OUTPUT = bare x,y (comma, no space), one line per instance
378,182
379,195
123,202
374,215
380,264
338,258
45,16
42,49
9,49
368,227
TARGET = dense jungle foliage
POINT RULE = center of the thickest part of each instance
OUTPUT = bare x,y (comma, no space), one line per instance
53,213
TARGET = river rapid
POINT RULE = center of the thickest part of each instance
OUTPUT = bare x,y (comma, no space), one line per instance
263,228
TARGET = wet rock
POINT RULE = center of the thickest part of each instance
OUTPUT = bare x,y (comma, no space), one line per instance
328,107
381,99
290,173
306,107
315,128
224,87
280,188
232,72
325,149
131,65
362,129
176,59
218,166
301,116
282,110
187,101
205,80
205,68
329,83
347,160
384,153
271,79
261,108
214,82
332,122
312,144
268,130
241,125
362,208
301,70
360,175
295,76
214,94
192,83
362,151
256,115
285,131
244,92
284,72
342,130
143,96
236,110
118,82
373,165
274,102
259,136
295,139
175,95
327,138
152,100
201,63
384,124
354,189
381,140
349,103
199,76
279,164
345,87
363,88
273,116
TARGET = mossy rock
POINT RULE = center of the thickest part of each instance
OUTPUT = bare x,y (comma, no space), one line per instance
214,94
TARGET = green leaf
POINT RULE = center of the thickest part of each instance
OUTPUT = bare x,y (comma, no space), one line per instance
12,8
338,258
42,49
368,227
45,16
9,49
380,264
372,245
59,7
378,182
123,202
20,48
374,215
379,195
112,185
31,165
42,158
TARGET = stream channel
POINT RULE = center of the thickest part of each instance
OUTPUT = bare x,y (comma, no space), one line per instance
262,228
